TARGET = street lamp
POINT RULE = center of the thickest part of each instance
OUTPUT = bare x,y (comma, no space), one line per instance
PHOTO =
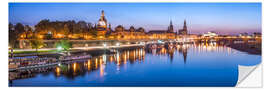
105,45
59,48
118,44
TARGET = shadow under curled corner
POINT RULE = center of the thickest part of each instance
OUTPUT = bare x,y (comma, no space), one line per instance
249,76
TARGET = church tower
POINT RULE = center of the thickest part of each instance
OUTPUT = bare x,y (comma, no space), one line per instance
184,30
170,28
102,26
102,22
185,27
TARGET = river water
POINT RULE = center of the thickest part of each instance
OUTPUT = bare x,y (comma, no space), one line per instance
181,65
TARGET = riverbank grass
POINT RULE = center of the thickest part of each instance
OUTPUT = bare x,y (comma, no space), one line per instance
27,52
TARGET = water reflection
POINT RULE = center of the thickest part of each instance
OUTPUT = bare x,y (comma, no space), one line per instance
120,58
99,63
140,63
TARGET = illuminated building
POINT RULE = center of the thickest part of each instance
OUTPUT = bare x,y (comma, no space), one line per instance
170,28
162,34
121,33
210,34
102,26
184,30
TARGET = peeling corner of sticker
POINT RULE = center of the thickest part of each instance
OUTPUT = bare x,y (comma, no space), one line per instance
249,76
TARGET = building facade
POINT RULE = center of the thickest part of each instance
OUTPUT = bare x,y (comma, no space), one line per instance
184,30
102,30
102,26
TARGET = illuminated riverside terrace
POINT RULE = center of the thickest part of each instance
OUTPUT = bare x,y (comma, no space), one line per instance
162,65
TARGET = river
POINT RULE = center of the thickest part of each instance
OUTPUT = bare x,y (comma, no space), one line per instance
181,65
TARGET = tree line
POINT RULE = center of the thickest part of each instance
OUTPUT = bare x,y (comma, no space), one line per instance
48,28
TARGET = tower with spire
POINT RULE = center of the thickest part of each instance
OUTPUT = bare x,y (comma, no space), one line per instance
102,22
185,26
170,28
102,26
184,30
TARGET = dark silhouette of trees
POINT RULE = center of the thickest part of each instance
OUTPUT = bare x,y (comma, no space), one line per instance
15,33
80,28
28,32
12,37
19,28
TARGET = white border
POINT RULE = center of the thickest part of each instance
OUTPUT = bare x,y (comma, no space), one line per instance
4,41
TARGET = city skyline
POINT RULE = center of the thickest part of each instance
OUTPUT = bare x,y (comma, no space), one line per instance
201,17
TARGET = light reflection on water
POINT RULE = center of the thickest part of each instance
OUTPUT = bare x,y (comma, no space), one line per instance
181,65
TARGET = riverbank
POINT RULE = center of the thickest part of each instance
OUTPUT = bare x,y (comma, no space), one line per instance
249,48
55,52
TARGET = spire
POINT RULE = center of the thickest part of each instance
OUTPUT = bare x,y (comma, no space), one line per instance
170,28
102,17
102,13
185,22
185,25
110,27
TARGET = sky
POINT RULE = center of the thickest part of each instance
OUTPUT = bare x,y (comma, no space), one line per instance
223,18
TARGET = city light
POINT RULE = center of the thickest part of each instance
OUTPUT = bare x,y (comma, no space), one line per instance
118,44
59,48
104,45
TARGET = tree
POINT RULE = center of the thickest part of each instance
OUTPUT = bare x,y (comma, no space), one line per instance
19,28
29,32
14,34
36,43
64,44
11,35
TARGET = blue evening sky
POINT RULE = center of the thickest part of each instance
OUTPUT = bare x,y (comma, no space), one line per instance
224,18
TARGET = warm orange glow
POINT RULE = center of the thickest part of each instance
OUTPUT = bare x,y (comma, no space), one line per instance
89,64
58,71
96,63
59,35
40,36
100,61
111,58
101,70
74,66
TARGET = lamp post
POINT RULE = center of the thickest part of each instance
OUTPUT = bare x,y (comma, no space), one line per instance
11,51
59,48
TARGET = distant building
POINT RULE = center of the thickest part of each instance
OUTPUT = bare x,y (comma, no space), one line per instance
102,26
132,33
257,34
157,34
210,34
243,34
162,34
170,28
184,30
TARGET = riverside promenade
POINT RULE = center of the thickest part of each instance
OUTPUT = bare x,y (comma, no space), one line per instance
74,49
